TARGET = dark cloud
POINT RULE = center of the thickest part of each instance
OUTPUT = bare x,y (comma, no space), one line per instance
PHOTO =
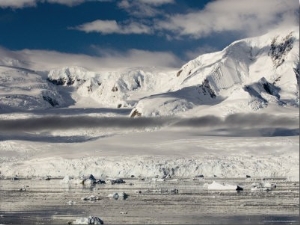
205,121
63,123
259,120
239,120
73,122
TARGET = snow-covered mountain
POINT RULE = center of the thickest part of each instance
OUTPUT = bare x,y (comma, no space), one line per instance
120,88
23,89
250,74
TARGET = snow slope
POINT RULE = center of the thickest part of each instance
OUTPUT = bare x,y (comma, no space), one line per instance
23,89
249,74
120,88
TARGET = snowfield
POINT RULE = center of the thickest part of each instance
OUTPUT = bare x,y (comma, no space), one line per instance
227,114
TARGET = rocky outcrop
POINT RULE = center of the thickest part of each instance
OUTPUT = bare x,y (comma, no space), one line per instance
279,49
135,113
50,100
206,89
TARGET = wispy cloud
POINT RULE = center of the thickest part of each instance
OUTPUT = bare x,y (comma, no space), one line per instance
17,4
111,26
249,17
191,54
136,57
157,2
143,8
32,3
106,59
10,58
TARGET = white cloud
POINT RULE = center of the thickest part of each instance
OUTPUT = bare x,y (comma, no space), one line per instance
73,2
10,58
157,2
107,59
31,3
17,3
143,8
250,17
135,57
66,2
111,26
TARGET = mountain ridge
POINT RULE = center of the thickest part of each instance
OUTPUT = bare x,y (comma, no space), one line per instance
249,74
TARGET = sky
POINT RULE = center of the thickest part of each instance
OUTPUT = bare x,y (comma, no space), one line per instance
129,33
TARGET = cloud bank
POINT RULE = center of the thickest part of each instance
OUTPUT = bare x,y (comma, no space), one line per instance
244,121
106,59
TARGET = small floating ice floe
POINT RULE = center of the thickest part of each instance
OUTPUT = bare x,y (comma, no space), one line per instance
217,186
71,202
117,196
22,189
87,182
65,180
158,179
263,186
92,180
15,178
91,198
69,180
197,177
173,180
117,181
88,220
167,176
114,196
174,191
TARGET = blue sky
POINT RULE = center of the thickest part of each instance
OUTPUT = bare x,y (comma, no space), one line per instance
135,32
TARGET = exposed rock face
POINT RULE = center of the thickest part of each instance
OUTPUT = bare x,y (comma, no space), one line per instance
279,49
67,76
62,81
206,89
178,73
51,101
135,113
114,89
